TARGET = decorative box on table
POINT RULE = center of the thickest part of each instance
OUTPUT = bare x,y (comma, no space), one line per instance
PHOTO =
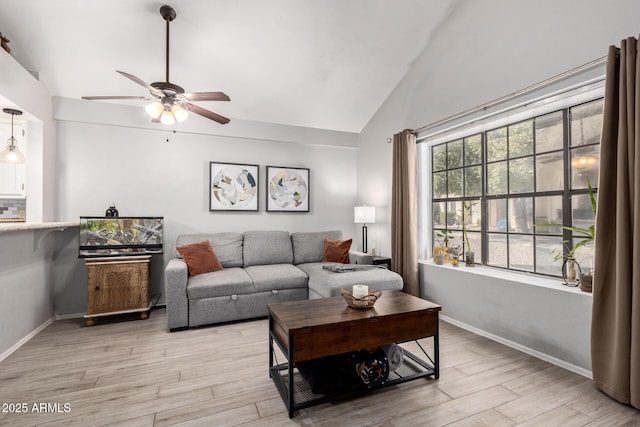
117,253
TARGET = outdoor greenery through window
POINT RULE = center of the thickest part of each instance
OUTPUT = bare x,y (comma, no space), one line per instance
502,184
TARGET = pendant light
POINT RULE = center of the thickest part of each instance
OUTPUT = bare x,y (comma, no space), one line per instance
12,153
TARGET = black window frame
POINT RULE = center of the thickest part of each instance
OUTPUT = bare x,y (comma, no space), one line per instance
567,193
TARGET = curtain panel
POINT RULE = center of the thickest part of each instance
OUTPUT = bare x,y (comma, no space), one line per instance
615,327
404,211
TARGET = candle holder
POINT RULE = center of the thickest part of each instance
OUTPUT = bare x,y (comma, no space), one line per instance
365,302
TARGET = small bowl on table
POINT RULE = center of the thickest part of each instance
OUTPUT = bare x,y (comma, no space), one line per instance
366,301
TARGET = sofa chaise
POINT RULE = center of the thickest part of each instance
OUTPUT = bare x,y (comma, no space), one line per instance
259,268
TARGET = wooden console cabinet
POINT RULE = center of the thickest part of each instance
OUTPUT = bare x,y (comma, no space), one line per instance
117,285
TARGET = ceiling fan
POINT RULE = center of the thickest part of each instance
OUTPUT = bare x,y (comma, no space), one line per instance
172,102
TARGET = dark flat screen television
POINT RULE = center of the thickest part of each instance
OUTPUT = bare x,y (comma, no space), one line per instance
120,236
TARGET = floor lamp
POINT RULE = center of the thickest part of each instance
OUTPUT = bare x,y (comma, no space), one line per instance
364,215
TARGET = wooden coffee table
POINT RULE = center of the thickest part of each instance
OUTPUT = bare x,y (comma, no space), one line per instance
311,329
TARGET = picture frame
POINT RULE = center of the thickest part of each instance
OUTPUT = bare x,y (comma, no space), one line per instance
288,189
233,187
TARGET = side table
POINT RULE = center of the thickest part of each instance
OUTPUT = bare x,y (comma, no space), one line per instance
117,285
381,260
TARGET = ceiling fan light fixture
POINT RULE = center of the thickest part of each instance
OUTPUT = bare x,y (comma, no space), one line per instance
179,113
167,118
173,103
154,109
12,154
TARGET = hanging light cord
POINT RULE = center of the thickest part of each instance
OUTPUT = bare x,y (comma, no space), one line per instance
12,138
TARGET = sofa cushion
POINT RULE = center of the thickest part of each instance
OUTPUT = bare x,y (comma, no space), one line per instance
276,276
267,247
199,258
328,284
336,251
309,246
227,246
225,282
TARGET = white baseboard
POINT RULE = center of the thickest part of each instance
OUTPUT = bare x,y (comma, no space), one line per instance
69,316
24,340
553,360
81,315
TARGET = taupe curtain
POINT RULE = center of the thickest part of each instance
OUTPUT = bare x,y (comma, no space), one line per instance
404,211
615,327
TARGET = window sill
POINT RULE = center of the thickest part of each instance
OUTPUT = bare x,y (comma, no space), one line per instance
512,276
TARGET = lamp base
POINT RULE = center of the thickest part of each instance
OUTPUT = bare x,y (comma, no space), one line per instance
364,238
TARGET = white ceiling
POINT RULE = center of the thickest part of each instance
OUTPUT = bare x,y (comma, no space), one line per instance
325,64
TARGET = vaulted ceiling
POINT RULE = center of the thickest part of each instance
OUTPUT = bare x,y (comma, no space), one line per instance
325,64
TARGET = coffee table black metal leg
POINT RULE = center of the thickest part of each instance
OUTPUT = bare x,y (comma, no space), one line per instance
270,345
290,361
436,349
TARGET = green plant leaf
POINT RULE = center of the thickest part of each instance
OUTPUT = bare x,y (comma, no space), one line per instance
592,196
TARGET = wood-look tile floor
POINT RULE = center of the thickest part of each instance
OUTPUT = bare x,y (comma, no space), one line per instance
135,373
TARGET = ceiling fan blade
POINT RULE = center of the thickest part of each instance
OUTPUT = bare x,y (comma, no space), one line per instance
141,82
206,96
206,113
93,98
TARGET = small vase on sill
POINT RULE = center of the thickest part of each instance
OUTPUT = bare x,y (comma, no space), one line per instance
454,258
569,272
469,259
441,250
586,282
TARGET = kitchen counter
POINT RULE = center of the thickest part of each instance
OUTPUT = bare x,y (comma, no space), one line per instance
39,229
26,226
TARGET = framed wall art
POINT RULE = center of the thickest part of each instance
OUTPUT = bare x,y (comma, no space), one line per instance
287,189
233,187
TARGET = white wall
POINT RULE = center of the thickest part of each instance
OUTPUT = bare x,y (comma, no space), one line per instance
551,321
109,153
485,50
26,271
21,90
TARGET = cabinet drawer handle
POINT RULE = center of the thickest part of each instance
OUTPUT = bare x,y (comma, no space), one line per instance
97,287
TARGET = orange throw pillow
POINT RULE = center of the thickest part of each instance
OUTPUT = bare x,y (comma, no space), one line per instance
337,250
199,257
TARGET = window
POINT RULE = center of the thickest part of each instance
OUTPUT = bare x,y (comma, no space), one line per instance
502,183
457,189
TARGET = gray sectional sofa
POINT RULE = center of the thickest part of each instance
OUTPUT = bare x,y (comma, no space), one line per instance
260,267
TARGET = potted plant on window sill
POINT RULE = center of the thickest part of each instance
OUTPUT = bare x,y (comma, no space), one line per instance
569,263
469,255
454,255
441,252
572,278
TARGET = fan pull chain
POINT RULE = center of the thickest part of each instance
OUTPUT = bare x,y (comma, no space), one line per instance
173,131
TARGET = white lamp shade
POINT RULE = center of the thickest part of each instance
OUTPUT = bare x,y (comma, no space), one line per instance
179,112
364,214
11,154
167,117
154,110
